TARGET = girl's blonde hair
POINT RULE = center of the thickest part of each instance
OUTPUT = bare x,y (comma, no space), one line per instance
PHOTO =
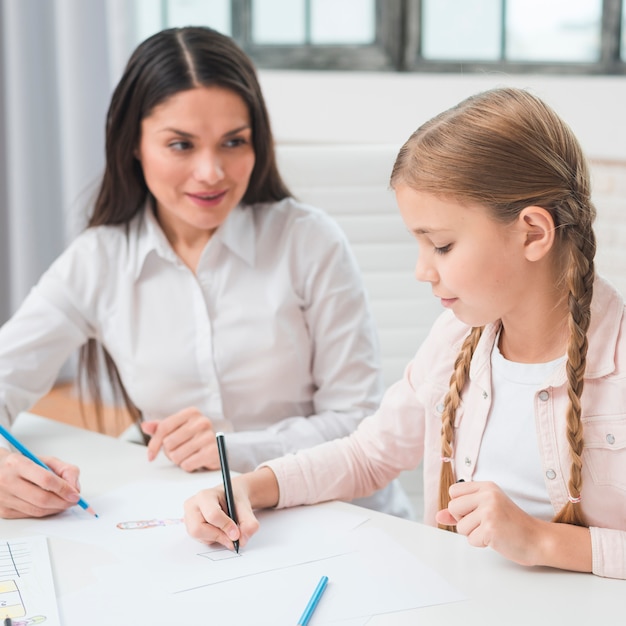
506,149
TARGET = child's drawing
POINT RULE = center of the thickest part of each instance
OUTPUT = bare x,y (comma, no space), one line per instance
148,523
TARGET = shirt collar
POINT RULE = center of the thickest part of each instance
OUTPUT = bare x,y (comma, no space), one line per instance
237,234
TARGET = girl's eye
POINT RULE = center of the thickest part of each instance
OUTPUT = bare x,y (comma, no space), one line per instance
443,249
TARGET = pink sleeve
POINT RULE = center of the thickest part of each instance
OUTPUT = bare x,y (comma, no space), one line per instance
608,548
384,444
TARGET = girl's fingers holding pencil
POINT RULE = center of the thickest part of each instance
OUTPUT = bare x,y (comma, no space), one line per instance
206,519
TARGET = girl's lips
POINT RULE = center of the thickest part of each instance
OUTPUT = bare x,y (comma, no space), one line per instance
447,302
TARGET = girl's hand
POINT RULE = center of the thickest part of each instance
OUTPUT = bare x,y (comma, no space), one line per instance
205,513
206,518
487,517
28,490
187,439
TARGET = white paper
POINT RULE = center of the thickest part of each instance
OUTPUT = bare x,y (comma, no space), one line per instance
376,576
27,592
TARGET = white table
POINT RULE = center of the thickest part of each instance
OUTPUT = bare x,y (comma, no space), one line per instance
499,591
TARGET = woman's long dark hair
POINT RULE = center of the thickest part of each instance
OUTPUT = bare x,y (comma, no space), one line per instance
171,61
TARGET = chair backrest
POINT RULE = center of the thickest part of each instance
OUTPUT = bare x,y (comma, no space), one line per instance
351,182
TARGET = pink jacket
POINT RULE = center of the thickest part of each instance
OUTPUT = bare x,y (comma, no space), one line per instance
406,431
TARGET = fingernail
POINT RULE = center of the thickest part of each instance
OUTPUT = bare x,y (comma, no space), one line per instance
233,534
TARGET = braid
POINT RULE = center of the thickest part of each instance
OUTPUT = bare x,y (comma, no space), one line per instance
451,404
580,285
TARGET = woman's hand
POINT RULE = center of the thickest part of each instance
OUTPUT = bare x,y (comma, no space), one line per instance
205,513
187,439
29,490
487,517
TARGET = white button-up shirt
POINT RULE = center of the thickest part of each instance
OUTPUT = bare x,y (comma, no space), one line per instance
272,337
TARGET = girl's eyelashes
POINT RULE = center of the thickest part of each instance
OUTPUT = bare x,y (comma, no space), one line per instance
443,249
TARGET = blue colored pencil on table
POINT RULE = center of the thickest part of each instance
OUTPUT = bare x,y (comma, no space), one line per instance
27,453
313,602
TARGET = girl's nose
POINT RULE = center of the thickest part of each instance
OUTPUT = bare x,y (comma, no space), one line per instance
425,272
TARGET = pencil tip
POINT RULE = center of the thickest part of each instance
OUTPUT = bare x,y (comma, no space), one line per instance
90,510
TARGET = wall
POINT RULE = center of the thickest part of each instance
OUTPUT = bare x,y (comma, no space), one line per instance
334,107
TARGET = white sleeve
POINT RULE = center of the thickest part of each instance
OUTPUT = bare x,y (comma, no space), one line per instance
37,340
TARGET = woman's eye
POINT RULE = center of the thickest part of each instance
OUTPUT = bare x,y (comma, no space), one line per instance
235,142
443,249
179,146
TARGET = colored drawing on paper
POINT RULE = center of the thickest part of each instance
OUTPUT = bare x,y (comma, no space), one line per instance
26,586
148,523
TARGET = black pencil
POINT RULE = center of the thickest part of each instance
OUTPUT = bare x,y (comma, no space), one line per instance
228,488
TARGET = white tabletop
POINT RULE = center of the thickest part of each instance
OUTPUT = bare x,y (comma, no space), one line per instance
499,591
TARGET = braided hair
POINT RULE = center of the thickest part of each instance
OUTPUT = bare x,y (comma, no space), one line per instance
505,149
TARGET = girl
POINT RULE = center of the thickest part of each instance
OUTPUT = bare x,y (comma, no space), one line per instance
516,401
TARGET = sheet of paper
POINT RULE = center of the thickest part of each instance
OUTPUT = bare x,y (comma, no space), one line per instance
27,592
176,560
377,576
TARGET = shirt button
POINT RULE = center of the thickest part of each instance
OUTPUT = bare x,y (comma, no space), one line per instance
468,461
551,474
485,395
439,408
610,439
543,395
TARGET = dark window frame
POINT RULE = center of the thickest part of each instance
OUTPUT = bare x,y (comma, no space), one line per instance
397,47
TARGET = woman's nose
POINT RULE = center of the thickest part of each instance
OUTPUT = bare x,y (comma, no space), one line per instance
208,168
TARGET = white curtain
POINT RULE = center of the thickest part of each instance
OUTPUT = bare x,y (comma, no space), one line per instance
59,60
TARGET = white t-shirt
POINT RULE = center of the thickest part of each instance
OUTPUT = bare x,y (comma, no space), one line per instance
509,452
272,337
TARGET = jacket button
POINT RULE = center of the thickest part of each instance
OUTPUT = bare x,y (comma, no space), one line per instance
468,461
610,439
543,395
551,474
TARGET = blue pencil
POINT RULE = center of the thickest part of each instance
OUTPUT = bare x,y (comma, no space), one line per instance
315,598
27,453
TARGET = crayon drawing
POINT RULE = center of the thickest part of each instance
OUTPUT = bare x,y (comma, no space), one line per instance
27,594
148,523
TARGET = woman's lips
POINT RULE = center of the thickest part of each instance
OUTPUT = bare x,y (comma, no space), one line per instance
208,199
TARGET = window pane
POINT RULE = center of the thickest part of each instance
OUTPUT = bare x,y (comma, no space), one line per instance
461,30
278,21
558,30
214,13
148,19
343,21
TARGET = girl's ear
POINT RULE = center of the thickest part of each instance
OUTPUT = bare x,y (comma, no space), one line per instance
538,226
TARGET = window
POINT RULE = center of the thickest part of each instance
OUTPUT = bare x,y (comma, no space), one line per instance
564,36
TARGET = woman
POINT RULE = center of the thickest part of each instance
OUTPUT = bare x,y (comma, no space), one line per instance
221,302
